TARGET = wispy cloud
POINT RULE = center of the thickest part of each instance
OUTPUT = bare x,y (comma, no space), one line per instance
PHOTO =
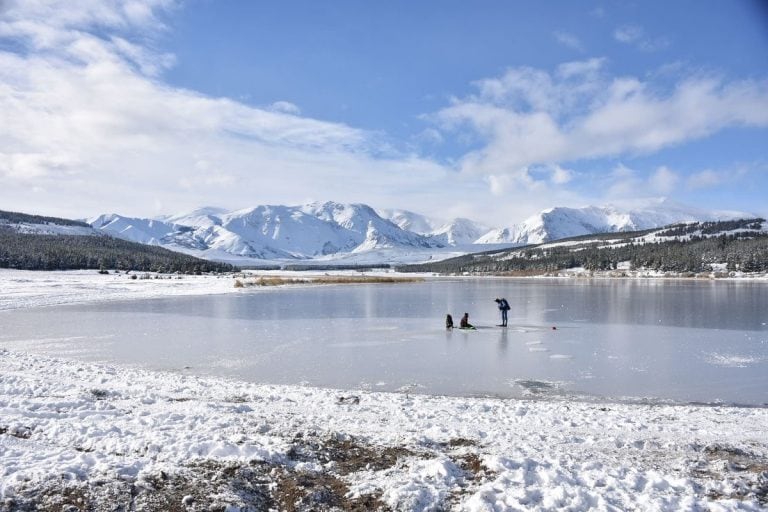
664,180
569,40
628,34
635,35
285,107
736,175
529,116
705,179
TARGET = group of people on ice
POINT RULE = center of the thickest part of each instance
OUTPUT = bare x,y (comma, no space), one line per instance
502,304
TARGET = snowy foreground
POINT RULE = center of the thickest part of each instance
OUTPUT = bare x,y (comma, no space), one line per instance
106,438
82,436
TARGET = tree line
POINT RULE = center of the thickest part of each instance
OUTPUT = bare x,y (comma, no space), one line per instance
70,252
16,217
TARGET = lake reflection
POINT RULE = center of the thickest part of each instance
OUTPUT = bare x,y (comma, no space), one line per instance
679,340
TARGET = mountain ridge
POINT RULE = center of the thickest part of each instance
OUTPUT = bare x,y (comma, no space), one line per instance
355,231
695,247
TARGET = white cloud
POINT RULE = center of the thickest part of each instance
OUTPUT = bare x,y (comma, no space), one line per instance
529,117
628,33
86,14
635,35
149,63
430,136
585,68
598,12
286,107
499,185
664,180
623,182
569,40
561,176
704,179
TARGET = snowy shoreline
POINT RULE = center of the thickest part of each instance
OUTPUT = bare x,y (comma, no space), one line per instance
107,435
83,436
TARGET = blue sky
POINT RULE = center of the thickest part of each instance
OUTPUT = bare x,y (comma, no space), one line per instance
490,110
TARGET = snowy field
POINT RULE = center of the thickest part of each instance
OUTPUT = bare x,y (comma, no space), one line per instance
23,288
82,436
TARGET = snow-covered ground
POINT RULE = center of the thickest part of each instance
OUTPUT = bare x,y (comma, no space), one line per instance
111,436
82,436
24,288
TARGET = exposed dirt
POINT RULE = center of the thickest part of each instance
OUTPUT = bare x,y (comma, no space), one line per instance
346,455
19,432
208,485
720,462
305,492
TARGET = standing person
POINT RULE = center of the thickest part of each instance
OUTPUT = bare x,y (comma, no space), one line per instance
503,307
464,324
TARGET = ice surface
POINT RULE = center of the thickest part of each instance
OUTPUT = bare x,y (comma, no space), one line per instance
343,337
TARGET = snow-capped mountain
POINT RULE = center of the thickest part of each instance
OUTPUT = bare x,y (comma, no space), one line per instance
560,222
269,232
355,232
134,229
456,232
411,221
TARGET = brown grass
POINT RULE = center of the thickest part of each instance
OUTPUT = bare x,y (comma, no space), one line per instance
282,281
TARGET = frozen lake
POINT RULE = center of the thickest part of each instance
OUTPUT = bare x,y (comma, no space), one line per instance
678,340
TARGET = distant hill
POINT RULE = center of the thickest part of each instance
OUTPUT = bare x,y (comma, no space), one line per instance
737,245
32,242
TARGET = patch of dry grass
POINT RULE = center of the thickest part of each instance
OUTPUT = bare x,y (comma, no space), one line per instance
282,281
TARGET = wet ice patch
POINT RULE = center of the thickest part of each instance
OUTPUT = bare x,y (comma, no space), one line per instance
361,344
732,360
228,363
532,387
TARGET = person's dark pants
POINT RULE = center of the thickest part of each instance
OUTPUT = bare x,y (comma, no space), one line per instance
504,317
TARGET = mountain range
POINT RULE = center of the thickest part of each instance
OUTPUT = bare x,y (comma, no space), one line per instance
686,249
352,233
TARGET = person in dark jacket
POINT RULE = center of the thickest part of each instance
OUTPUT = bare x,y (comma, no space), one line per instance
464,324
503,307
448,322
